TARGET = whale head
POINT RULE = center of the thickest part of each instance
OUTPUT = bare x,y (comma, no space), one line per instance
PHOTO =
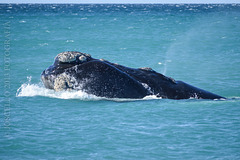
55,76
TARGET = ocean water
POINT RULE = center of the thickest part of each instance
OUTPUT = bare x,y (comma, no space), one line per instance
198,44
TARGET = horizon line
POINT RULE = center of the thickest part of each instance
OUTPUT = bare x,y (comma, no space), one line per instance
119,3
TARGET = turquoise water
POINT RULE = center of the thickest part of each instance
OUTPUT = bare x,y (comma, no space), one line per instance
198,44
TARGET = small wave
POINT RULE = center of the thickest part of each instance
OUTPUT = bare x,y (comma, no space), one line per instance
69,41
43,44
22,21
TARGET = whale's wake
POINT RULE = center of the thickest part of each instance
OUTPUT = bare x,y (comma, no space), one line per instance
31,90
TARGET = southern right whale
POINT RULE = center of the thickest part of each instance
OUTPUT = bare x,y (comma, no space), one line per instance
74,70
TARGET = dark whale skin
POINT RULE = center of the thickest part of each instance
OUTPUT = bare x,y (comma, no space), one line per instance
106,79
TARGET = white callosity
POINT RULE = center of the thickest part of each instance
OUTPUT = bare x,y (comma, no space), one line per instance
82,58
62,82
146,69
67,56
71,56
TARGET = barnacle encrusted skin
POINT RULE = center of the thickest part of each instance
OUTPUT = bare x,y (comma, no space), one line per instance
82,58
147,69
70,56
103,60
63,82
164,77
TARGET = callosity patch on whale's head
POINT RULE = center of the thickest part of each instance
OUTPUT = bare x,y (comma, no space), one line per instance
54,77
72,56
63,82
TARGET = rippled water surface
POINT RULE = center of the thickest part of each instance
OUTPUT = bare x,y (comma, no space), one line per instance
198,44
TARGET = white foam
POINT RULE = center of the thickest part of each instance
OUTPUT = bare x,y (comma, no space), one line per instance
150,97
31,90
22,21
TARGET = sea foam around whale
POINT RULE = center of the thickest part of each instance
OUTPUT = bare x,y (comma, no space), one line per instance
29,89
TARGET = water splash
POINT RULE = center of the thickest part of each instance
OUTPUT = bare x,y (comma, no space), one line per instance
31,90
